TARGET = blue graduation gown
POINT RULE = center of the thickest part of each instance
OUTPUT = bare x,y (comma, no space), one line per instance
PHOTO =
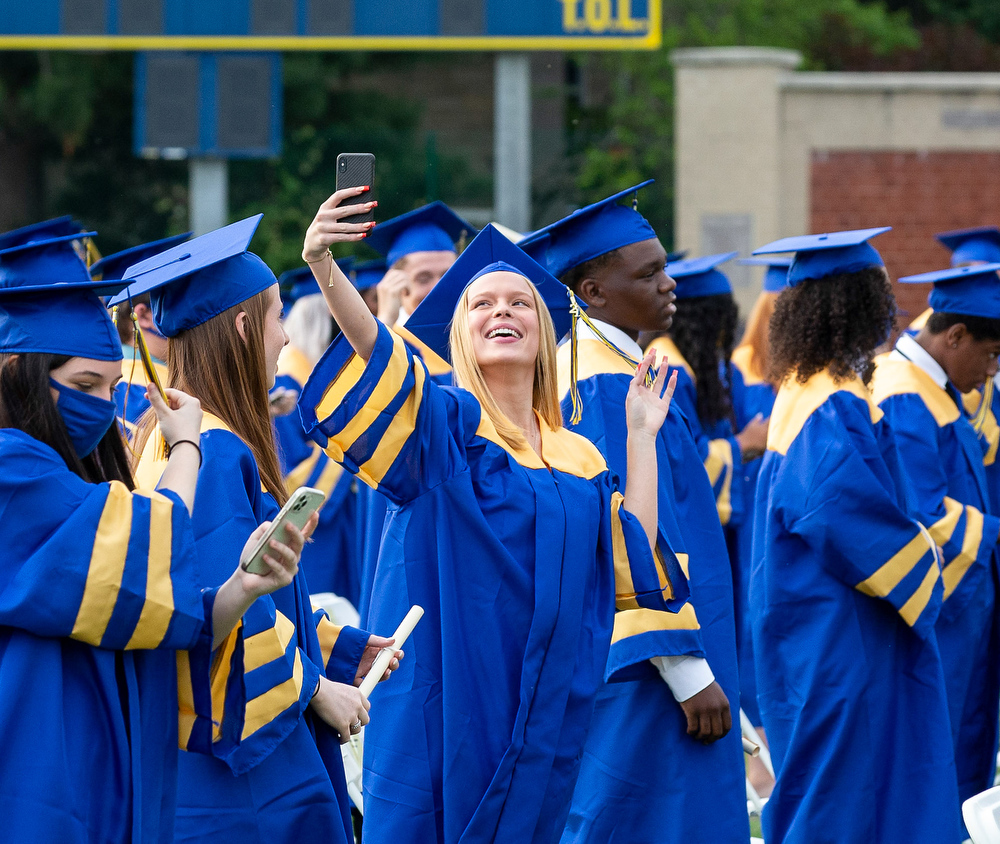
290,781
517,563
639,732
943,458
101,614
717,445
844,594
330,560
751,396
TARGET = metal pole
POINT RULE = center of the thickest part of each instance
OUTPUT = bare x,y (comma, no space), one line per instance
208,201
512,140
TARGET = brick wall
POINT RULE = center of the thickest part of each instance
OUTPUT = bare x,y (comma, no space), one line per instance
918,194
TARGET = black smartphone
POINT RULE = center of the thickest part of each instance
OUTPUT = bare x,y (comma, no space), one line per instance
354,170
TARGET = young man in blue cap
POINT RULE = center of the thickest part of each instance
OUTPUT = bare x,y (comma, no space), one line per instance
845,584
669,726
919,387
130,394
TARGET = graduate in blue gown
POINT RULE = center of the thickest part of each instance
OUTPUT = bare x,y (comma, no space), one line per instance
506,528
698,348
669,727
845,583
754,399
108,632
220,307
130,392
919,387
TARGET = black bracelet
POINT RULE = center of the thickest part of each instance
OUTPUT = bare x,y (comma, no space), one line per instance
172,446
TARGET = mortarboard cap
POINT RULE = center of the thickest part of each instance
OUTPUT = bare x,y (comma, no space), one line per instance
490,251
588,233
834,253
432,228
369,273
679,255
49,304
776,274
978,244
192,282
59,227
114,266
972,291
700,277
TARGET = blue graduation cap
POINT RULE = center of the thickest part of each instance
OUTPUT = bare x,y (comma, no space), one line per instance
114,266
432,228
368,274
588,233
192,282
700,277
59,227
776,274
679,255
978,244
490,251
972,291
821,255
49,304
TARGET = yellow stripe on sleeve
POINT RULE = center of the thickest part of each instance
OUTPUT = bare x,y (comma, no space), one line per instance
347,379
943,529
891,574
268,645
624,587
328,478
633,622
263,709
719,460
185,700
158,605
956,569
328,633
107,567
297,476
222,662
917,603
398,431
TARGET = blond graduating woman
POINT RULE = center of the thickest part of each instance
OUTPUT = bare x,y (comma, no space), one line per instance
220,307
503,525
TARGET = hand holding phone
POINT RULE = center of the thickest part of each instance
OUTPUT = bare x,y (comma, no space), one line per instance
300,506
355,170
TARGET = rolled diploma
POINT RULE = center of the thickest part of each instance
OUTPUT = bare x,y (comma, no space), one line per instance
749,748
386,654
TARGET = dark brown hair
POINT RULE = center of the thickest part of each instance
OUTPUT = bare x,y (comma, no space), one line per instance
26,403
834,323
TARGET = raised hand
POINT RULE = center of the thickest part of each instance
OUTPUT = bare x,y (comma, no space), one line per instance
646,407
328,227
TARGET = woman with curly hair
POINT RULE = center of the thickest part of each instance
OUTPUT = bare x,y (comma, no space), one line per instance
845,586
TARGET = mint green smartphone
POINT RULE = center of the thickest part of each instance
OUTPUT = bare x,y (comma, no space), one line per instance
300,506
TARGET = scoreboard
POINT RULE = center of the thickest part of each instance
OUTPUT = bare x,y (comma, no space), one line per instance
277,25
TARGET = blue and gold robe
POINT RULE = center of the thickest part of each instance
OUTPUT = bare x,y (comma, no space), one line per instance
844,593
330,560
942,455
517,561
717,445
290,783
697,790
106,658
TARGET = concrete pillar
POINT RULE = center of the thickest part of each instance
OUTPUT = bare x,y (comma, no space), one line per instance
208,194
512,140
728,153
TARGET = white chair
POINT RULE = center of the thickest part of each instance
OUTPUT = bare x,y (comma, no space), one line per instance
982,816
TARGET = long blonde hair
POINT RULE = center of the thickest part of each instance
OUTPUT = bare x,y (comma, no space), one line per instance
469,376
227,374
755,335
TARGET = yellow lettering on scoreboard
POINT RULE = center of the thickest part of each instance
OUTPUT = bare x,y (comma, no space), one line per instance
601,17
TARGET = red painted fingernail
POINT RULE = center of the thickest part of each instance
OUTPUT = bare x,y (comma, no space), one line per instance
364,235
366,187
375,204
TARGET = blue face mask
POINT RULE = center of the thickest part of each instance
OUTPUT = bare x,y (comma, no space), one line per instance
87,417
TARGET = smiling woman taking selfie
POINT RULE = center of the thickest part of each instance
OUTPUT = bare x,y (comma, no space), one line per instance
508,530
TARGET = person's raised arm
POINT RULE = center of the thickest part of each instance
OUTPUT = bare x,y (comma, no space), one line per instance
179,416
343,300
645,410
